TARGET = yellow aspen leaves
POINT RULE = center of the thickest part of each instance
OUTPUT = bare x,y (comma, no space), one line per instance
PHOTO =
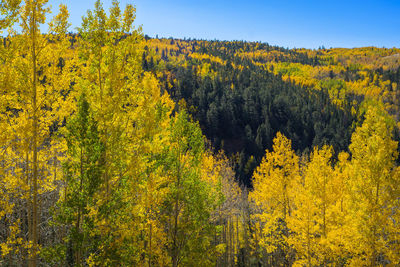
274,183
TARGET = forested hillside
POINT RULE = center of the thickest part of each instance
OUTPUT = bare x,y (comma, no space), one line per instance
241,103
117,149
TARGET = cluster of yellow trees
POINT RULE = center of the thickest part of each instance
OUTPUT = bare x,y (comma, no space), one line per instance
98,167
317,212
329,207
340,71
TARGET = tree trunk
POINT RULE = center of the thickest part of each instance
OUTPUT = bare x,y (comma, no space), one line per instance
35,145
175,249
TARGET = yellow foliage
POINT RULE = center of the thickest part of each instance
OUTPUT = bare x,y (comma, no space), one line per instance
274,183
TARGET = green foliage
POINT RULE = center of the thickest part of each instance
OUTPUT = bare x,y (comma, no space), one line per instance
189,203
99,167
82,180
241,105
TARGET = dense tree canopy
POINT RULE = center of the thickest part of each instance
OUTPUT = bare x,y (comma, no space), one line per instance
117,149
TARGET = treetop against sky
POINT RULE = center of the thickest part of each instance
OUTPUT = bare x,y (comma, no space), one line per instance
308,24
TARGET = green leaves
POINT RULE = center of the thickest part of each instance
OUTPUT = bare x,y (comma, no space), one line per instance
82,180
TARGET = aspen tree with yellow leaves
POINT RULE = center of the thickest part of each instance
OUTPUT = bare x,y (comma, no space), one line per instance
138,217
8,183
34,103
340,229
110,69
374,187
275,183
103,161
229,216
317,206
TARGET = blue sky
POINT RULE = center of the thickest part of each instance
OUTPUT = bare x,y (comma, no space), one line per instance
288,23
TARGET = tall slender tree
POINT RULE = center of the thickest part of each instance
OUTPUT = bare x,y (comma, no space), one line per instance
317,206
34,106
189,204
82,179
274,183
374,188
